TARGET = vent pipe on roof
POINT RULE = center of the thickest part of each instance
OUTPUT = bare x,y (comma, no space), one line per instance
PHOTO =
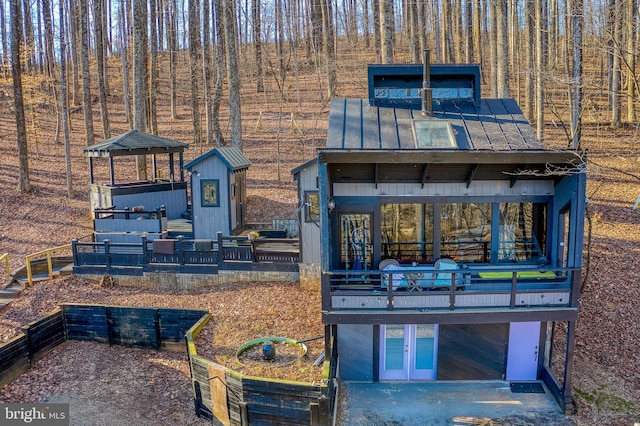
427,95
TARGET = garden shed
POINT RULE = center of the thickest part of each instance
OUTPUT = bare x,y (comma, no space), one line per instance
218,192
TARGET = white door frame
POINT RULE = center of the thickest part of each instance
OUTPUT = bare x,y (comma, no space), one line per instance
409,370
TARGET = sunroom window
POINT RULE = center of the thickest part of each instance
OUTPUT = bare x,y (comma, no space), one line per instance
522,232
466,232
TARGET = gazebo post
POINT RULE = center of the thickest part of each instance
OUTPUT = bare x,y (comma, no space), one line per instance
91,170
112,173
171,172
154,165
181,167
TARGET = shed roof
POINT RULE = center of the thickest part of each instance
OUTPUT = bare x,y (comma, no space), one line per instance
231,156
134,142
495,124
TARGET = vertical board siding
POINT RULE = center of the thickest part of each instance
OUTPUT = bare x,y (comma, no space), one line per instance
45,334
310,247
472,351
356,351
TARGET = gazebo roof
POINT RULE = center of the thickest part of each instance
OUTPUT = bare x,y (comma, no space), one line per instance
134,142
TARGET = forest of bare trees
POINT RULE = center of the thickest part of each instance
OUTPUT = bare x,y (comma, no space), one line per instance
563,60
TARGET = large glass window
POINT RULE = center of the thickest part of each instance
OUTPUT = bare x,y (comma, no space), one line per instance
407,232
465,232
522,235
355,241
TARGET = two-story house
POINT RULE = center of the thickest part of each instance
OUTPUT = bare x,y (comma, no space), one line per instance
450,240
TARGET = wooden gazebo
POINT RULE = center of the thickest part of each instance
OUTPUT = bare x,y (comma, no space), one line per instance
170,192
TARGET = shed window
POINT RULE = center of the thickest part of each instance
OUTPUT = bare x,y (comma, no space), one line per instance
312,207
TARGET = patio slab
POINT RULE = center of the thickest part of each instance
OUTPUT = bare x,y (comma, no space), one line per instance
447,403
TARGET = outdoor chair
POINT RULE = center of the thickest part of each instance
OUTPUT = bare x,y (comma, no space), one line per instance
443,279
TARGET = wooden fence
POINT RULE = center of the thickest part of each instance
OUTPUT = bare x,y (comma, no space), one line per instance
235,399
147,328
48,254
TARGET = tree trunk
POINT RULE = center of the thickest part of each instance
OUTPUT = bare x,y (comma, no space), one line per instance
615,70
124,57
377,37
172,41
257,43
206,68
530,38
48,38
220,54
386,31
140,67
233,76
539,70
3,31
29,38
64,102
102,90
477,32
153,68
632,27
86,77
577,24
329,51
194,62
502,49
493,50
16,74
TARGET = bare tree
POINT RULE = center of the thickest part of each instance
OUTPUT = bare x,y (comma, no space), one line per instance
539,69
195,63
140,67
102,88
257,43
386,31
124,58
233,76
632,28
16,74
329,51
502,49
615,72
64,101
86,76
153,67
172,43
206,68
220,54
577,25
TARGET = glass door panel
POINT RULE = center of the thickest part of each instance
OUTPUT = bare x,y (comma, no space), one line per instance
394,352
425,351
408,352
355,241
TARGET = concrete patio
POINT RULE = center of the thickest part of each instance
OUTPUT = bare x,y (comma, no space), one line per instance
446,403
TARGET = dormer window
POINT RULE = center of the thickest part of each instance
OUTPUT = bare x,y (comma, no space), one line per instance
433,134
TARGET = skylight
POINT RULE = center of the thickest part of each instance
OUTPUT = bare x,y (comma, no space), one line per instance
431,134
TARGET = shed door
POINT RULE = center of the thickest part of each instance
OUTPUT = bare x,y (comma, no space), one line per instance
241,208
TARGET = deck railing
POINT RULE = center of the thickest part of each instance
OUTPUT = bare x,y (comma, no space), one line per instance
5,258
474,287
181,251
49,256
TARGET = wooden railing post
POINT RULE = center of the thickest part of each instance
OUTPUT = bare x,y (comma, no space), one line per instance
514,282
180,249
5,257
49,265
74,251
220,249
145,252
107,254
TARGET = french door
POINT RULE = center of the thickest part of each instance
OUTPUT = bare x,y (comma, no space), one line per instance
408,351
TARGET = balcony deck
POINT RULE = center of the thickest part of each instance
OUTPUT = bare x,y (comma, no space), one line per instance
475,288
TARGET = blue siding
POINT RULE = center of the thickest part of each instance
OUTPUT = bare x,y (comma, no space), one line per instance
356,352
207,221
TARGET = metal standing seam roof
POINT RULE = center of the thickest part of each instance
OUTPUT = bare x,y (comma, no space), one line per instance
231,156
134,142
495,124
